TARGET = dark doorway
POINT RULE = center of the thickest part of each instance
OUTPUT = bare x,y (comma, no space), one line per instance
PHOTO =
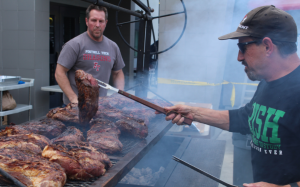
66,22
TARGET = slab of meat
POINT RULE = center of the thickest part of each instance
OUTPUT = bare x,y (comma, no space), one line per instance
132,126
104,135
88,96
67,114
71,134
30,143
80,161
47,127
31,170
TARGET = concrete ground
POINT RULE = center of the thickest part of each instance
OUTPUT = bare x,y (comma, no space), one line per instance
227,168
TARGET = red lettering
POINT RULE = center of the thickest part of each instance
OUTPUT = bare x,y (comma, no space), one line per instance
108,59
84,57
89,57
104,58
98,57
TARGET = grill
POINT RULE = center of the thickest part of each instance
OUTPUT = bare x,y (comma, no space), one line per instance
133,151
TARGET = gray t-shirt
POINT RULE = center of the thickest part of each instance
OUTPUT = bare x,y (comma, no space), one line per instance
95,58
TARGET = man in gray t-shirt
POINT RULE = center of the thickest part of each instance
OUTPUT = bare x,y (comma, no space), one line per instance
91,52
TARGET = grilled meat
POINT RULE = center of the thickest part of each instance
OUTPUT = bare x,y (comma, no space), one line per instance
47,127
30,143
115,101
80,161
104,135
13,131
71,134
31,170
132,126
66,114
88,96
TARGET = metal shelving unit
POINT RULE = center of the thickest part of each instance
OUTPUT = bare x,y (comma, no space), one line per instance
20,107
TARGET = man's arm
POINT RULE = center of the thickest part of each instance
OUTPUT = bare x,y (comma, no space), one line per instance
64,83
118,79
215,118
264,184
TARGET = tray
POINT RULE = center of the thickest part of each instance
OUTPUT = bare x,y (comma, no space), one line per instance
6,80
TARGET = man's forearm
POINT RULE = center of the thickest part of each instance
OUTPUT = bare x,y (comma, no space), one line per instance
215,118
119,80
65,85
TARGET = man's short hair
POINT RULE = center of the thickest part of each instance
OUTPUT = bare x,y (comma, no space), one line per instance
284,48
96,7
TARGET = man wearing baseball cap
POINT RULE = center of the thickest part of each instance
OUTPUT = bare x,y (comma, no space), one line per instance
267,39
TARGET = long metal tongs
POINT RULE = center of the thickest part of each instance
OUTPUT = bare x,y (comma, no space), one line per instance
187,121
202,172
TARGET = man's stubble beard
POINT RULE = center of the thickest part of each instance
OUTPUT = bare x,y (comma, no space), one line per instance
250,73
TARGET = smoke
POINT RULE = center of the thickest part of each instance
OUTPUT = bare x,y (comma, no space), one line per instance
199,55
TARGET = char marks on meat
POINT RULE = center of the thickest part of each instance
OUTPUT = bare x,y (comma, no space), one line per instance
47,127
132,126
80,161
104,135
67,114
31,170
30,143
71,134
88,96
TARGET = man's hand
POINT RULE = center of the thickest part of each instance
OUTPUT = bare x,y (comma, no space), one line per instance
182,110
263,184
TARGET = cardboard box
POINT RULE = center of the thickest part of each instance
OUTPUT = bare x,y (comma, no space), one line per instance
4,120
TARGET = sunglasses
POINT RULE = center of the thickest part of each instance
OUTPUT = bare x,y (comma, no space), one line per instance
242,46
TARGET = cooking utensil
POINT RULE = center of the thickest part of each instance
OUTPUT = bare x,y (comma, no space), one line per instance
8,176
202,172
187,121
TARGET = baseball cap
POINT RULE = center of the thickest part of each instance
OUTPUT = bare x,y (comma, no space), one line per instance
266,21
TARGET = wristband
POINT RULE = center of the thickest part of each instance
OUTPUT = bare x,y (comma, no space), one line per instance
294,184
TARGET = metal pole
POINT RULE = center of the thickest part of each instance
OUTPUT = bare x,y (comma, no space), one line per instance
1,94
140,61
29,102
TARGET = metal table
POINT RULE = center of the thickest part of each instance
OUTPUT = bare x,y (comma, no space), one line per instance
20,107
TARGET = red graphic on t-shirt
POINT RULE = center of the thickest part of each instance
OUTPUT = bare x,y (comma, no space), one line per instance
96,66
96,57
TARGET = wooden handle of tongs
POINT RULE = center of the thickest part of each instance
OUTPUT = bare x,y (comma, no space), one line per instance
187,121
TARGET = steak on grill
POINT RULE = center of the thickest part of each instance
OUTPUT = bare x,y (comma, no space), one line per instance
132,126
30,143
67,114
71,134
31,170
80,161
47,127
104,135
88,96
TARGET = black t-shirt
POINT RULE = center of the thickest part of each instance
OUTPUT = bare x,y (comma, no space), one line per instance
273,119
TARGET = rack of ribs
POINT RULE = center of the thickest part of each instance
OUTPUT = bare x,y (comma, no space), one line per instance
79,160
31,170
104,136
88,96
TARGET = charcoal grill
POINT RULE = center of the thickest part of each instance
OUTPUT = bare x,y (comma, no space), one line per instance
133,151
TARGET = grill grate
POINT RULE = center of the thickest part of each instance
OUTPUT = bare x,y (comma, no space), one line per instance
128,142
